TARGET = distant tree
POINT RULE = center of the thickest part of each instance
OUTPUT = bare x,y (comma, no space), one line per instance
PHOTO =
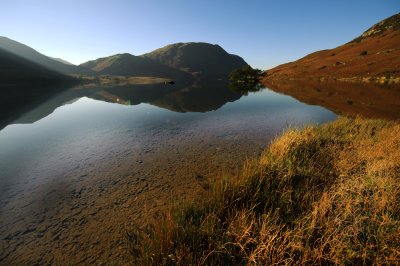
245,75
245,80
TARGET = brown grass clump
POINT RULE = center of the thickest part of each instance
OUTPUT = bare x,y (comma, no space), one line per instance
320,195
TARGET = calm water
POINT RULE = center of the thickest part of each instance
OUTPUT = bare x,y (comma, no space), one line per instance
84,129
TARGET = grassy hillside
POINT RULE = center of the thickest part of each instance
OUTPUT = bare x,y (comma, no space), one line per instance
373,56
319,195
207,60
130,65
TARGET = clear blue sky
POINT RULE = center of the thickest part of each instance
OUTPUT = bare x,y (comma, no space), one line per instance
265,33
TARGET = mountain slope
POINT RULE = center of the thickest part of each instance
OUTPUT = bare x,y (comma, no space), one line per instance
373,55
23,82
207,60
130,65
32,55
15,69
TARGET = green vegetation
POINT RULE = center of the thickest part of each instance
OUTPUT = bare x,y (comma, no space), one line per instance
325,194
246,79
245,75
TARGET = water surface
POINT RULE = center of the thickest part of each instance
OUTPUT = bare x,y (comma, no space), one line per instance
79,168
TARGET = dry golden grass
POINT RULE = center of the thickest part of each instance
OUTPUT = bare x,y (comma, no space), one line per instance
319,195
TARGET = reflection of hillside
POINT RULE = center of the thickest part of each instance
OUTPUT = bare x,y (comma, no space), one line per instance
366,99
194,98
45,108
200,98
179,98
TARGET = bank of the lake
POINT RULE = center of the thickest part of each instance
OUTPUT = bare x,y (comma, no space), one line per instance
326,194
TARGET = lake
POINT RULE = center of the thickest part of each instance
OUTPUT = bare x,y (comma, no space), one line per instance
81,168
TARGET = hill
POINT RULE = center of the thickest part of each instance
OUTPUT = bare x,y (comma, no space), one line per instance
375,55
23,82
15,69
130,65
32,55
201,59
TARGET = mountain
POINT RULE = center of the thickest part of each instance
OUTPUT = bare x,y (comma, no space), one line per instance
201,59
130,65
15,69
375,55
23,82
32,55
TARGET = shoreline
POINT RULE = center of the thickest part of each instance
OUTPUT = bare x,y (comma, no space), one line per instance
383,80
320,194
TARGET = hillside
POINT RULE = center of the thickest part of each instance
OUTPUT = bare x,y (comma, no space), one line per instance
374,55
32,55
23,82
130,65
202,59
15,69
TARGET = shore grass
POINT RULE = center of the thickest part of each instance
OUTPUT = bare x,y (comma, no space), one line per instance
326,194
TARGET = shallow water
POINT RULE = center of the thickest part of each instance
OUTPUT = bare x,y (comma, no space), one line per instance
63,162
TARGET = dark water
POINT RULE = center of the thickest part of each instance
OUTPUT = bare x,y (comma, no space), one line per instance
82,128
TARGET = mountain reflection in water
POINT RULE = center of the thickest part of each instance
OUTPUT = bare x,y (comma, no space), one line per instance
200,97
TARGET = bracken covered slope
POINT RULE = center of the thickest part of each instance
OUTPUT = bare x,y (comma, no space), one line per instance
375,55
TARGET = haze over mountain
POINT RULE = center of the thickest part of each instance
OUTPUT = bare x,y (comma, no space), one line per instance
130,65
62,61
15,69
23,82
32,55
202,59
374,54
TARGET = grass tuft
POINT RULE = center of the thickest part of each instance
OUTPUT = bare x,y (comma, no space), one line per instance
318,195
